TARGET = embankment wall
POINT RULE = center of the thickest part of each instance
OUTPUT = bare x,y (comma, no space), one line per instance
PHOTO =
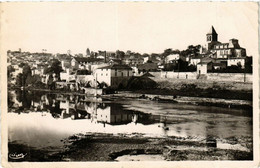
235,77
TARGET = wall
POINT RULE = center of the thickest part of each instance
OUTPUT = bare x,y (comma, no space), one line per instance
235,62
116,81
180,75
202,68
236,77
194,61
121,72
103,75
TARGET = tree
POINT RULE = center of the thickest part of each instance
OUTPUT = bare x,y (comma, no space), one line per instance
137,55
248,64
27,72
191,50
92,54
167,52
120,54
19,79
191,68
10,69
169,67
181,66
146,55
33,80
154,55
87,51
176,51
128,52
54,68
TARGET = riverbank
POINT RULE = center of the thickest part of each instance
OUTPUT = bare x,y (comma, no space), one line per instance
226,103
174,96
109,147
182,88
202,88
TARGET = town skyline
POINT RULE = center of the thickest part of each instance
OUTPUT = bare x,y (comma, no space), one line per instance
116,28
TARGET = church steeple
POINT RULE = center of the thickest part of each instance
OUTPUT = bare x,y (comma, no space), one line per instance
212,35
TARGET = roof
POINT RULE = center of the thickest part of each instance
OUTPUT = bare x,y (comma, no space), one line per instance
196,57
204,63
212,31
218,64
147,75
82,59
222,44
83,72
116,66
115,60
147,66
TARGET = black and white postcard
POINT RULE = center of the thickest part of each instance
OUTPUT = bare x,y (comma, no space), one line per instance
129,84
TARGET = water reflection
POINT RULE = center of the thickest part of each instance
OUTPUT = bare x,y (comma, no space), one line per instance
77,107
36,115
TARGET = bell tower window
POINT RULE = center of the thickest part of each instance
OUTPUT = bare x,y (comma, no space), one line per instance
209,38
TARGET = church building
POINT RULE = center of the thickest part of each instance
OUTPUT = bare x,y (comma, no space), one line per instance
231,49
219,55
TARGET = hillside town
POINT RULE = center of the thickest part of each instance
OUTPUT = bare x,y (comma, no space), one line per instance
113,69
129,83
191,104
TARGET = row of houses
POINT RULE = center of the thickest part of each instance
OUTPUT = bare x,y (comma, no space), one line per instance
106,67
112,75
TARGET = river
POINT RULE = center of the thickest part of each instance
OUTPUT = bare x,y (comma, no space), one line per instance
41,120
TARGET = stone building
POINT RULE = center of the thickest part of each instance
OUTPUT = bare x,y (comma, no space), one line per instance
113,75
222,55
231,49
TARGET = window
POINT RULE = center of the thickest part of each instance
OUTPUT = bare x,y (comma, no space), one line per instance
115,72
127,73
209,38
101,74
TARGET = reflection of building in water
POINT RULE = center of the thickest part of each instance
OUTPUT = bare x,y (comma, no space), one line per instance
22,99
81,107
112,114
74,110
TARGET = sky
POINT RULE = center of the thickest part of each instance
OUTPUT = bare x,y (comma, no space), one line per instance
144,27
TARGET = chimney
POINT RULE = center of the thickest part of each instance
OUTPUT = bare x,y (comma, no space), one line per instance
105,56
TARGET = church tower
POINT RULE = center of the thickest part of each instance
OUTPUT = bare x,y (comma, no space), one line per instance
212,37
